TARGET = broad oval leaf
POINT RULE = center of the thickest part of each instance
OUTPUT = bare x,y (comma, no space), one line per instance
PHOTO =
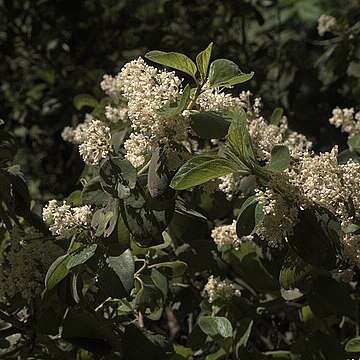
116,274
316,238
209,125
225,73
81,256
117,177
280,159
159,176
219,329
173,60
57,271
200,169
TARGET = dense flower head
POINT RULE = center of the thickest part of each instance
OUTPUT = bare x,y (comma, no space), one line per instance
226,235
347,119
217,289
24,267
97,144
146,90
67,220
213,99
326,23
280,217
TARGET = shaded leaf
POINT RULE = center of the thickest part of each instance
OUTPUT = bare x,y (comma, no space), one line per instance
209,125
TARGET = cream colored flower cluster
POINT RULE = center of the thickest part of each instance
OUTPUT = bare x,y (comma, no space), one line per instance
147,89
326,23
213,99
67,220
215,289
97,144
78,134
24,267
347,119
93,138
230,185
280,217
225,235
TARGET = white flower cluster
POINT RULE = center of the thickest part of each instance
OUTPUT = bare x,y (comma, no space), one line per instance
279,217
116,114
347,119
215,289
312,180
212,99
326,23
265,136
230,185
77,135
147,90
24,267
93,138
97,144
67,220
225,235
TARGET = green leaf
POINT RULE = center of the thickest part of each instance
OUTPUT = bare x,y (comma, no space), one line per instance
117,177
57,271
209,125
276,116
8,147
81,256
203,60
146,218
20,191
176,108
173,60
150,299
82,100
116,274
141,344
219,329
89,331
280,159
225,73
331,297
93,193
200,169
353,345
354,143
316,238
159,176
171,268
244,330
238,137
245,223
294,271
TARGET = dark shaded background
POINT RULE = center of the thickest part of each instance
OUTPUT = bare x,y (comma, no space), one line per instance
53,50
